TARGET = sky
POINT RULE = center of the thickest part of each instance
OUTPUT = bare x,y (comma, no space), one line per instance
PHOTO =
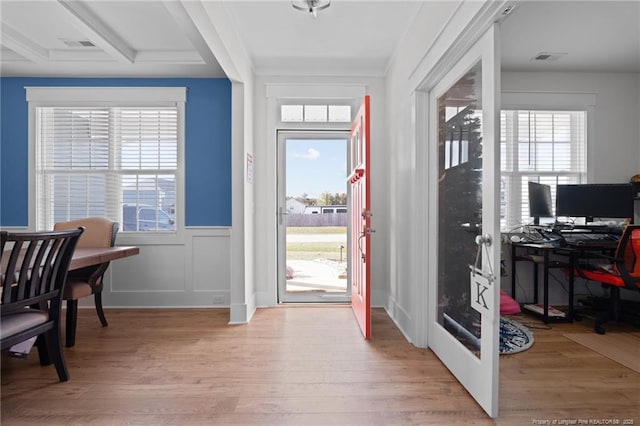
316,166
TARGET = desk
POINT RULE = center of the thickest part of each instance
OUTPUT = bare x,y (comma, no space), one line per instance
538,254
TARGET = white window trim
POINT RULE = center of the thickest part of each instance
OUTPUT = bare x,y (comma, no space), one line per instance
53,96
112,97
558,101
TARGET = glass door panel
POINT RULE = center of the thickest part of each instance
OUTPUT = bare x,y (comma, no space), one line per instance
313,216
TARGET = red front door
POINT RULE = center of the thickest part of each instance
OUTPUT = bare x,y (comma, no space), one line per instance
360,184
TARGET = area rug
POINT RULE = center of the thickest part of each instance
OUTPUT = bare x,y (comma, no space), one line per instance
514,337
623,348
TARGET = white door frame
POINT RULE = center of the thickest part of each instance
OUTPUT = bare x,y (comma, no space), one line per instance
266,168
283,296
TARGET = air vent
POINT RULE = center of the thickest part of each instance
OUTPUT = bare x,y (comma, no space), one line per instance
508,10
547,56
77,43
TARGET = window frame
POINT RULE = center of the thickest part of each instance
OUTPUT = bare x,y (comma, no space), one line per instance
112,97
353,103
555,101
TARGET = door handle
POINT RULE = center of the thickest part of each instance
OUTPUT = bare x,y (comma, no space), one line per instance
484,239
281,214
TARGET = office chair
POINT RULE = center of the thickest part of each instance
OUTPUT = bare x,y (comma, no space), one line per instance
623,272
99,232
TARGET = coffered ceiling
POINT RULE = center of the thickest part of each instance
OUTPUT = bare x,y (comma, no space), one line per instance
155,38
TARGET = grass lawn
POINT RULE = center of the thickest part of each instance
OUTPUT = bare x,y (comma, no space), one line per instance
312,251
315,250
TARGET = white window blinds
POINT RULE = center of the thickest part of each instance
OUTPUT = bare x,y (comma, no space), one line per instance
548,147
115,162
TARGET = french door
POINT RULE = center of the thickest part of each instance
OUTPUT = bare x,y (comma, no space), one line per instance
464,263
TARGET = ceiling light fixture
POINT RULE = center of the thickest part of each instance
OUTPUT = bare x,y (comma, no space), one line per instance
311,6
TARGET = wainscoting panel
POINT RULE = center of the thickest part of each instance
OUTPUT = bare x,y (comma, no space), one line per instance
156,269
192,271
211,262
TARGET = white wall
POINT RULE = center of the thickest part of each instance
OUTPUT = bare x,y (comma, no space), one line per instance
614,151
265,178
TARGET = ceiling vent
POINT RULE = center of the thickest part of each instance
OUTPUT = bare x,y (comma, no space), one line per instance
547,56
77,43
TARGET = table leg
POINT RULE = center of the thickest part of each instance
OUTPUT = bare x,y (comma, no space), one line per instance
513,271
545,289
536,274
571,284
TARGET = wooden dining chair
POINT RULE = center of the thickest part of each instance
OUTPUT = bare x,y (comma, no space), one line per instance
34,271
99,232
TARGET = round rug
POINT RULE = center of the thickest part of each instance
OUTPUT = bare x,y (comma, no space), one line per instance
514,337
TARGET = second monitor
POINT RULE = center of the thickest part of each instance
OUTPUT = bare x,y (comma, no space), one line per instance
540,204
595,200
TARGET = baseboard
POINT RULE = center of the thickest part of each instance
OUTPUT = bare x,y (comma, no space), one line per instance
400,318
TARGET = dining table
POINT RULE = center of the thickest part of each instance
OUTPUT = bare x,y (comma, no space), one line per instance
89,256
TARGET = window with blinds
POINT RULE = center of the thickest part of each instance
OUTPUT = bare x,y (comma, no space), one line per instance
117,162
547,147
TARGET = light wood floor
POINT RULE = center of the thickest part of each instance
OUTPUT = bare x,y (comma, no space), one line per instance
298,366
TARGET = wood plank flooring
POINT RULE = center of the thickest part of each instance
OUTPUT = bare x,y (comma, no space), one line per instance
298,365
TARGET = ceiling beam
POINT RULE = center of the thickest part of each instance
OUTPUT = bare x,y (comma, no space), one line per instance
214,25
185,23
23,46
98,32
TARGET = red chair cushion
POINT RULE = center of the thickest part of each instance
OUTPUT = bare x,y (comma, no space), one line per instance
603,277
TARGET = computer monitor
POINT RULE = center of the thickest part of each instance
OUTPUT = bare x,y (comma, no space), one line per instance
613,200
540,204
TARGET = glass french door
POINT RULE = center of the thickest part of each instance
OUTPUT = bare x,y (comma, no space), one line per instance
464,278
313,217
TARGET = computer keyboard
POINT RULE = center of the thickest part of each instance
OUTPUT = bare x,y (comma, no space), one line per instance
589,239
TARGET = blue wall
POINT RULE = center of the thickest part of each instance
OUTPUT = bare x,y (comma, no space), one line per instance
207,144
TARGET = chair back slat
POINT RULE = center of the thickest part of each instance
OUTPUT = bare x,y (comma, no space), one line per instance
52,265
24,274
36,279
9,273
